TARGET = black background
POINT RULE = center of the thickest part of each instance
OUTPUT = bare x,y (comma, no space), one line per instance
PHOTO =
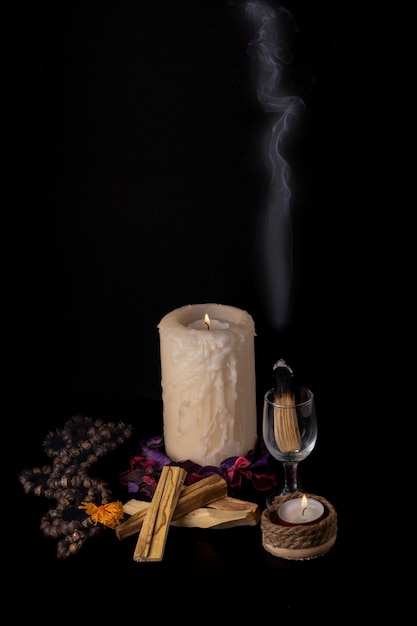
145,179
141,178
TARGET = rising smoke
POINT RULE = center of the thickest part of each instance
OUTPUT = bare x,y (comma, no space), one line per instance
269,50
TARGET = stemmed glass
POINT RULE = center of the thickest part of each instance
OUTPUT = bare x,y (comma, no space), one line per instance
290,434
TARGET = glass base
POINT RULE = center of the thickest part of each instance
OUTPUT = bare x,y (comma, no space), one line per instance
270,498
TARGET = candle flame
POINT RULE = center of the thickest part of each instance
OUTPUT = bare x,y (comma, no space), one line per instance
207,321
304,503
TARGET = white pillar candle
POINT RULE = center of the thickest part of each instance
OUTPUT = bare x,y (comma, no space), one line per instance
208,383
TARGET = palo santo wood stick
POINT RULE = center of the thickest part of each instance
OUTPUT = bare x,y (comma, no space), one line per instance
287,434
225,512
137,510
153,534
199,494
234,504
216,518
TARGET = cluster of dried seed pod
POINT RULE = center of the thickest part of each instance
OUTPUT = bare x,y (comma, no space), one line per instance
73,448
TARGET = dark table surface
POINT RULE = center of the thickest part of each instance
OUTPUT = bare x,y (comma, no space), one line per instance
223,569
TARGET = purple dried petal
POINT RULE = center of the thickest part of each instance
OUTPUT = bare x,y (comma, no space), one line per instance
145,469
152,442
203,472
264,482
136,476
132,487
140,461
189,466
265,457
158,458
241,462
224,465
147,491
251,456
207,470
235,476
149,480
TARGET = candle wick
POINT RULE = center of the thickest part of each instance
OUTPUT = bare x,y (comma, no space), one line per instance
304,510
208,325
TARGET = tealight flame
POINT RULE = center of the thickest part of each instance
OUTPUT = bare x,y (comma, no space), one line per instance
207,321
304,504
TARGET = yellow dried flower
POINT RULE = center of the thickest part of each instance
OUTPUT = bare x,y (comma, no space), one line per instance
108,514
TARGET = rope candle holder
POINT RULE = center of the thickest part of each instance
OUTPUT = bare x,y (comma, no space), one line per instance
299,541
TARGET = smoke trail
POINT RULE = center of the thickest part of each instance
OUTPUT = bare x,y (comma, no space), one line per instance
274,243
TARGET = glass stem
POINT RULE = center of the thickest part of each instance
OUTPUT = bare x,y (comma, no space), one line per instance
291,478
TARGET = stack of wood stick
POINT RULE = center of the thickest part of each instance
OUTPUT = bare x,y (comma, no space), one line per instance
204,504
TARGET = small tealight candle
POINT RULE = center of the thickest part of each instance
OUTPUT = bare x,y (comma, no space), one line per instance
300,511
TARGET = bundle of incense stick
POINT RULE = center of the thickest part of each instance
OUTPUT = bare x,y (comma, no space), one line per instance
287,434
